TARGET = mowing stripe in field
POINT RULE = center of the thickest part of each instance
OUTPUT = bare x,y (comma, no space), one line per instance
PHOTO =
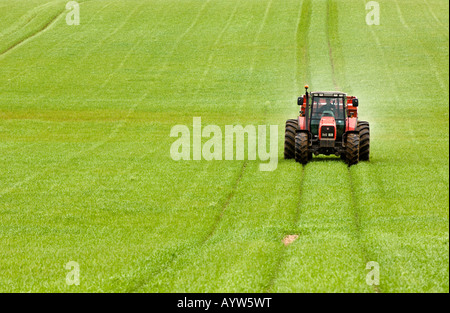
335,48
380,218
302,72
282,258
258,34
332,28
435,70
215,44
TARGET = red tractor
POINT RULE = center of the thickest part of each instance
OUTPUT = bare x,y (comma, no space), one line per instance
328,124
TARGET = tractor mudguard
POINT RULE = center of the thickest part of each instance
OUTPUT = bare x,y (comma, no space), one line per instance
352,123
301,123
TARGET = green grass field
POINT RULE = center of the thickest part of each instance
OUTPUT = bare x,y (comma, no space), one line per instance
86,173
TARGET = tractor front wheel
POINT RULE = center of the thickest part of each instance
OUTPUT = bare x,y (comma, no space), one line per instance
364,140
352,149
289,138
301,148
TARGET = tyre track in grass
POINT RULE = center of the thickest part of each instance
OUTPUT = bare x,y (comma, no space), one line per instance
35,34
302,40
302,72
258,34
282,257
136,285
212,54
244,165
400,15
443,84
208,67
180,252
180,38
336,66
390,71
331,27
430,10
409,31
113,73
254,45
52,21
335,53
100,42
357,222
125,21
59,43
120,66
114,131
436,71
22,74
28,17
226,204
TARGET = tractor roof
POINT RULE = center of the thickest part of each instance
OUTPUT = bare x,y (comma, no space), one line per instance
328,94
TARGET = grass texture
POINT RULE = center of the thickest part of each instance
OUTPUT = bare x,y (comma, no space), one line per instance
85,167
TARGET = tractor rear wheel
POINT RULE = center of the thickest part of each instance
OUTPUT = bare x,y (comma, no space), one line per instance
352,149
364,140
289,138
301,148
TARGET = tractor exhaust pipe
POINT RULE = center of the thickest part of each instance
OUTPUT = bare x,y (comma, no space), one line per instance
307,107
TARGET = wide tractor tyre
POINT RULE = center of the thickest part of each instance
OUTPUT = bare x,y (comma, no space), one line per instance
364,140
301,148
352,149
289,138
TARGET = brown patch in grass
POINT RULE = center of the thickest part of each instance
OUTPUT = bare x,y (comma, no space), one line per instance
289,239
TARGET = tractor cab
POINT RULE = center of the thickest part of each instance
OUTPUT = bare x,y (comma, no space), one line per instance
327,113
